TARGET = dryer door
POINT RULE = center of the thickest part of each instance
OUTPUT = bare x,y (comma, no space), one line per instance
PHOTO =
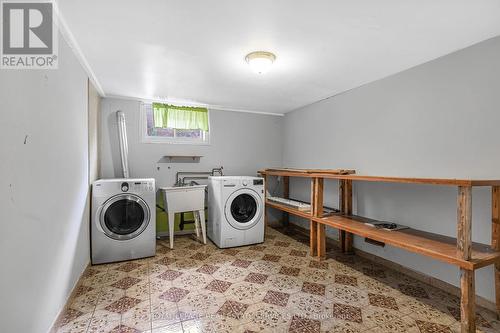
243,209
124,216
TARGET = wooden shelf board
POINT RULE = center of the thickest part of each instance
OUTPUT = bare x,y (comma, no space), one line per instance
433,245
285,174
294,170
294,211
350,175
291,210
430,181
303,172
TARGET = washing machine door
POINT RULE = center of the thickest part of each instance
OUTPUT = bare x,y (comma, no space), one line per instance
243,209
124,216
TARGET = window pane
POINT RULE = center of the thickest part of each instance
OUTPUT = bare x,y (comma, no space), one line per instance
163,132
149,118
171,134
184,133
156,131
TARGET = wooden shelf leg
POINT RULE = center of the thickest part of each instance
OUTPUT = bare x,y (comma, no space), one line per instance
464,248
495,239
321,241
286,195
341,207
342,241
265,208
348,211
313,229
497,288
348,242
313,238
467,301
317,229
318,212
464,222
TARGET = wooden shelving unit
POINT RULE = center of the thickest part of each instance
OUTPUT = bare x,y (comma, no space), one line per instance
459,251
433,245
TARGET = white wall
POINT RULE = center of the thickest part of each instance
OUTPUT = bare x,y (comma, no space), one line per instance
44,242
439,119
241,142
94,116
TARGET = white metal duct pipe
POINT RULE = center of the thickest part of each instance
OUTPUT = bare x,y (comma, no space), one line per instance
122,136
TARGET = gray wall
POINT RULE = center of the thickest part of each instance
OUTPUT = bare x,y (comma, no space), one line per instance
241,142
44,242
439,119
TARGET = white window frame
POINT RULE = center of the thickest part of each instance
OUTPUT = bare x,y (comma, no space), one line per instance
145,138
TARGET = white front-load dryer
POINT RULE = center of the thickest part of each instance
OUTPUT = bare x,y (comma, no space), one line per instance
123,223
235,210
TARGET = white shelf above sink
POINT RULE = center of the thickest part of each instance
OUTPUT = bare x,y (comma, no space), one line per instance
180,159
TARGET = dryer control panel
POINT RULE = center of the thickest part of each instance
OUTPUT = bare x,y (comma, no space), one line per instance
104,187
144,186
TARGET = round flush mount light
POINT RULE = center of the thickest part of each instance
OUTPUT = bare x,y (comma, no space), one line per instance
260,61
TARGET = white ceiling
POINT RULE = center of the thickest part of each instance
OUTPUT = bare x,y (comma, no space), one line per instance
193,51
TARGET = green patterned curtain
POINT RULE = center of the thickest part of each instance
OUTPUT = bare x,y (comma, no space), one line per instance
180,117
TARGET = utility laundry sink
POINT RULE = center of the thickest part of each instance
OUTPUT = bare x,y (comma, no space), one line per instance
178,199
184,198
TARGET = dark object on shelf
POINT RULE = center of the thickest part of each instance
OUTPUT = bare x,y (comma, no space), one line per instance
390,226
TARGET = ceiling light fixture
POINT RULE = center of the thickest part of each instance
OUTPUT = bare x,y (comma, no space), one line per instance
260,61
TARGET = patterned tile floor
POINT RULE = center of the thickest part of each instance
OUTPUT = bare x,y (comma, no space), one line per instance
270,287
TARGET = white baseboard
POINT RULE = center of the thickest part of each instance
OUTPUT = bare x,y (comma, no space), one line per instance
53,328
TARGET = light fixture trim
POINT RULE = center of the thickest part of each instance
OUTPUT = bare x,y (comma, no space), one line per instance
260,61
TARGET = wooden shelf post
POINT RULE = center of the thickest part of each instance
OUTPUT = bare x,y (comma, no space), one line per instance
286,195
342,233
464,248
313,230
266,224
348,211
317,211
495,239
345,205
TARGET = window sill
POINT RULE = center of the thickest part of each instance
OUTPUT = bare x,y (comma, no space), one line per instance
175,141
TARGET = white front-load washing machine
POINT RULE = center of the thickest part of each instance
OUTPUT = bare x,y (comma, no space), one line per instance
123,223
235,210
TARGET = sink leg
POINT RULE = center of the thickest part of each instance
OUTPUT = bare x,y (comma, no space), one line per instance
201,218
171,225
196,222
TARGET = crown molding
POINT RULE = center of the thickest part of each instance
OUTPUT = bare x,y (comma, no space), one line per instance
73,44
194,104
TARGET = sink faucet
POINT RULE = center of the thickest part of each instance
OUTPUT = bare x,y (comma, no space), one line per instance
217,170
180,181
